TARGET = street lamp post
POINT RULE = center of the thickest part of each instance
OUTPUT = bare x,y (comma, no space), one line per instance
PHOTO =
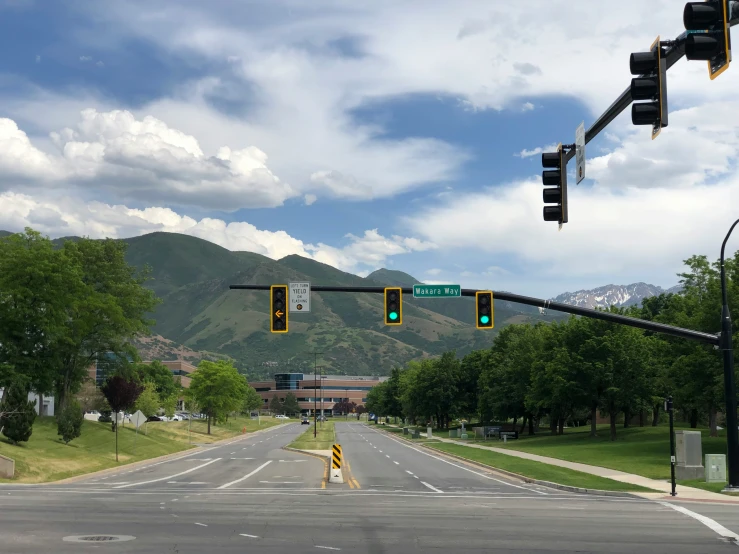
315,390
732,432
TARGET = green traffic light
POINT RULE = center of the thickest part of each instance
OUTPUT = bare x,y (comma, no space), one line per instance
484,319
393,315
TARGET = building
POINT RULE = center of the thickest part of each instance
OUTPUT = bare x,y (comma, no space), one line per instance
309,390
44,404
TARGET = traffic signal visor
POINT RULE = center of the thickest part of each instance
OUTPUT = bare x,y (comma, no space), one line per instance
484,309
651,85
556,176
393,306
278,308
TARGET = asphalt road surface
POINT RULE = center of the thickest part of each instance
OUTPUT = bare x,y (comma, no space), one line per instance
250,495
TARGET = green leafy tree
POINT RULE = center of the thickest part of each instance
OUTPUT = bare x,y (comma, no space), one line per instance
159,374
275,405
148,401
121,395
109,311
18,414
252,400
290,405
38,284
69,422
219,388
169,403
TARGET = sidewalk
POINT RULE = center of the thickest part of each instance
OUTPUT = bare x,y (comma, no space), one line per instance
683,493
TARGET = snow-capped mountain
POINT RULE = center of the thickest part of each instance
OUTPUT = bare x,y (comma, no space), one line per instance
620,295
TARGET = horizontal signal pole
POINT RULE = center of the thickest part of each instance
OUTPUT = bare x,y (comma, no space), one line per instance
539,303
673,54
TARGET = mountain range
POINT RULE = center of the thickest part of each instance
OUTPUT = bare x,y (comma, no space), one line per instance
201,318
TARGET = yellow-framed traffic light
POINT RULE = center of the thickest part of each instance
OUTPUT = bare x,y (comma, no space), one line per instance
650,85
708,25
555,177
393,306
484,317
278,308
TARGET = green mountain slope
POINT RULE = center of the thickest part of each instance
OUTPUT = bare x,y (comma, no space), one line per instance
200,312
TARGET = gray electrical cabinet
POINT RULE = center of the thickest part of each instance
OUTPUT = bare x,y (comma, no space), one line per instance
715,468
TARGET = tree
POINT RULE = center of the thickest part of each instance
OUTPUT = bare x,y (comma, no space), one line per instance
290,405
148,401
90,398
19,413
121,395
109,311
219,388
275,405
159,374
169,403
252,400
38,283
69,422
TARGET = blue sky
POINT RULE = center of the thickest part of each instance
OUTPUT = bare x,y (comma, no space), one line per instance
366,135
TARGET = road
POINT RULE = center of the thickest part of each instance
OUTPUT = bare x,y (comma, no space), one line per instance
250,494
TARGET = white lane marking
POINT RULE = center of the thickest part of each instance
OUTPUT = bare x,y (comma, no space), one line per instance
175,515
201,524
282,482
168,476
431,487
232,453
387,455
707,521
328,547
294,461
242,458
466,468
409,472
396,463
250,536
380,451
416,476
265,464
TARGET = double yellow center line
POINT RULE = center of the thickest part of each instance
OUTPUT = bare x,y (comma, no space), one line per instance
353,483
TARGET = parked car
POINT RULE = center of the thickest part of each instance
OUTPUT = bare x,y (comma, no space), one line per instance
154,418
281,416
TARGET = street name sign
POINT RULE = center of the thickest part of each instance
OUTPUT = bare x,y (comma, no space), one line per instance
437,291
299,295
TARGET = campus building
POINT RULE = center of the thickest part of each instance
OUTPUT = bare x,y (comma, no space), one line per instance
310,390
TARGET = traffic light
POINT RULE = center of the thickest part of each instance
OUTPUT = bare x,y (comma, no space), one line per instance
651,85
278,305
484,309
709,37
393,306
557,178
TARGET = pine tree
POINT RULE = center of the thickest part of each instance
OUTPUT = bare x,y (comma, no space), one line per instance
69,424
18,415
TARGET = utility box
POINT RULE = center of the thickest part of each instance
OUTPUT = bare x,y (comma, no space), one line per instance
715,468
689,455
452,433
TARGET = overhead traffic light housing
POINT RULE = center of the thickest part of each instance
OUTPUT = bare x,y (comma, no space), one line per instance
484,309
651,85
555,177
393,306
278,308
709,36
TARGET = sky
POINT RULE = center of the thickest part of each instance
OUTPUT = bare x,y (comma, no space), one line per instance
366,134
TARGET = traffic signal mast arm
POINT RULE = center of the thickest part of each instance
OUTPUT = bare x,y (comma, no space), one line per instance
539,303
674,51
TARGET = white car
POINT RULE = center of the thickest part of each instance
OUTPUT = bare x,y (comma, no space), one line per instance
280,416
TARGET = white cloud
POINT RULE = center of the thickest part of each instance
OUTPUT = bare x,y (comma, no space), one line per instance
85,58
536,151
433,271
309,199
527,107
143,159
65,216
99,63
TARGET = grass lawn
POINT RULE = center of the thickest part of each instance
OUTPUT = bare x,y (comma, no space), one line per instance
538,470
701,484
640,450
46,458
325,438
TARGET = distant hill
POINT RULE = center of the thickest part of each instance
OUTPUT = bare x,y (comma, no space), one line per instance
201,317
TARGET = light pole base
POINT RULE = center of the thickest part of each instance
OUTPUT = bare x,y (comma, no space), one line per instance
730,489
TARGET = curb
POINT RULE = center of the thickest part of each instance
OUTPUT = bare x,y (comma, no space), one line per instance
136,465
549,484
324,459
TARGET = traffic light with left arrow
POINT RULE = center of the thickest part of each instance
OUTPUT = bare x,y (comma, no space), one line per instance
278,308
